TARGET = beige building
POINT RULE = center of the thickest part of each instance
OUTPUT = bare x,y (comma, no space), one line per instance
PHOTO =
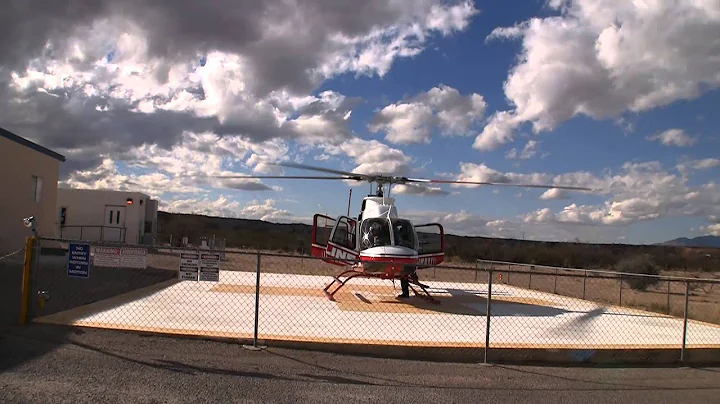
107,215
30,183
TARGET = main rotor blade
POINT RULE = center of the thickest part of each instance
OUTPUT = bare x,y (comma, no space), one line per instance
506,184
282,177
321,169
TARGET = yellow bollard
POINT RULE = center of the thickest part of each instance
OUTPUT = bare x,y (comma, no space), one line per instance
25,291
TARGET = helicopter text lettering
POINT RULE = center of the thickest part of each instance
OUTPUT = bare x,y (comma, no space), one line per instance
431,260
340,253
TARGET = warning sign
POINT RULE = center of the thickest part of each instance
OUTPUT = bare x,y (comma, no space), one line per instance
210,267
119,257
106,256
189,266
133,257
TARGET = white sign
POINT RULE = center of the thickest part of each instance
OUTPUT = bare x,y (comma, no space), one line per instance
189,266
106,257
210,267
133,257
120,257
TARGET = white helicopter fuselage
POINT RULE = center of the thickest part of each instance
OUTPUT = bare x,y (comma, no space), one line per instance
378,237
390,244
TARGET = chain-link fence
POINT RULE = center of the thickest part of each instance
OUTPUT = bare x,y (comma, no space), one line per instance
266,298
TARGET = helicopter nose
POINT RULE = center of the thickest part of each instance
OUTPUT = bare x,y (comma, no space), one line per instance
390,254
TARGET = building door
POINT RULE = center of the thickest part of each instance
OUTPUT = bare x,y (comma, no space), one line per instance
114,225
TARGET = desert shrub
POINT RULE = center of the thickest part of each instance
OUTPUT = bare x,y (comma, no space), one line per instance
639,264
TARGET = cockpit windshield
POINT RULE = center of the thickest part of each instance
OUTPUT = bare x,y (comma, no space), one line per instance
375,232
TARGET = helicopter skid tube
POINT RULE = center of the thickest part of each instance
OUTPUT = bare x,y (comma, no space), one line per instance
330,294
336,280
425,295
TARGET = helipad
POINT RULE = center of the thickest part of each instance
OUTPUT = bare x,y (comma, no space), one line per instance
367,312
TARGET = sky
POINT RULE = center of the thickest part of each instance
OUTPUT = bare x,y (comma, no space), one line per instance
164,97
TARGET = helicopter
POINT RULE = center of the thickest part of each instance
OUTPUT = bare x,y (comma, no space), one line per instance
379,243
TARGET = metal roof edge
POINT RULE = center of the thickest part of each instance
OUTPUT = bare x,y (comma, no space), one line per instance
21,140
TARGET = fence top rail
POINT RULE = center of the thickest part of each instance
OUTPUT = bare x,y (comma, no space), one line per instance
599,271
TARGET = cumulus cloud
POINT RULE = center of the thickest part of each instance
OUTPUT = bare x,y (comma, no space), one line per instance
286,44
442,107
465,223
164,97
689,166
417,189
224,206
92,76
639,192
372,157
674,137
712,229
602,59
482,173
528,152
555,193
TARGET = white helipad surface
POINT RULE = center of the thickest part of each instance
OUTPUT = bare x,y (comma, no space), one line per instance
293,307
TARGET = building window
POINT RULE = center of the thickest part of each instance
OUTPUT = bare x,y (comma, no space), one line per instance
37,184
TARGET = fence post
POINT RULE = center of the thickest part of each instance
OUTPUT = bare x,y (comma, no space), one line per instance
584,281
685,320
555,282
25,286
620,304
255,346
668,298
487,315
34,296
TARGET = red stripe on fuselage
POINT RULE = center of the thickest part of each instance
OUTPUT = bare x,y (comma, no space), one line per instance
394,259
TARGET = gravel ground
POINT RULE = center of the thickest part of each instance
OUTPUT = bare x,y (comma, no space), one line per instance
44,363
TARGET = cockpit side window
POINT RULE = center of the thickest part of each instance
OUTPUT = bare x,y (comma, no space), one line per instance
403,233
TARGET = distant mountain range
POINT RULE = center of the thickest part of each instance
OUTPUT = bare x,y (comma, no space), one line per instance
700,242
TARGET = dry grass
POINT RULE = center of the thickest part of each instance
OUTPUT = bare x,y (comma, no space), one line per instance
704,302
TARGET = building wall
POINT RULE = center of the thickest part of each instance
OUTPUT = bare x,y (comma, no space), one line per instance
92,214
18,165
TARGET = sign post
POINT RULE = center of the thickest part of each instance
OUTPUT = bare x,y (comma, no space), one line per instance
78,260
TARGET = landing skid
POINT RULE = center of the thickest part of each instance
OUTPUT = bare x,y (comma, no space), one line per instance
337,283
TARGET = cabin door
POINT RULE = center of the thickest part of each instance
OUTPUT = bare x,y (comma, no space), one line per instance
342,245
431,244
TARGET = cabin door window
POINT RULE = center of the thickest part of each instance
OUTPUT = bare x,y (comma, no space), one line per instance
344,234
